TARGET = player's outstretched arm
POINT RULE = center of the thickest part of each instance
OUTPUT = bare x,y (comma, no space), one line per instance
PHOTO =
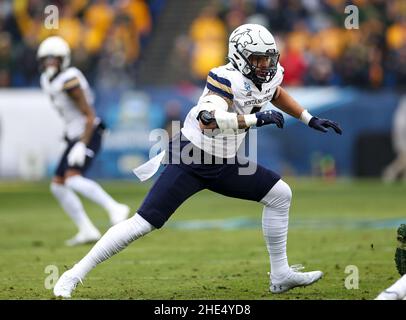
208,120
286,103
213,114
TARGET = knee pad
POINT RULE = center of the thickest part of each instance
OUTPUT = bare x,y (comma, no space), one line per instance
280,195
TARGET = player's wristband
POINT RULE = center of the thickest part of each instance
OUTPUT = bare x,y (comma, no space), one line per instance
305,117
250,119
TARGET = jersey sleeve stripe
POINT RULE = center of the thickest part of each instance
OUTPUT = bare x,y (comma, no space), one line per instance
221,80
219,85
219,91
72,83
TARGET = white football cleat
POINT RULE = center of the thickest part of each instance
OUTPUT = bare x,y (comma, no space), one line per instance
119,213
83,237
295,279
66,284
388,295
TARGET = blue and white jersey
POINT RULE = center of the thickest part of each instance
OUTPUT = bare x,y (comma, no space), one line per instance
246,98
74,119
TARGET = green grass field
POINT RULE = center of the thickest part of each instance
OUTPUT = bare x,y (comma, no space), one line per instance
212,248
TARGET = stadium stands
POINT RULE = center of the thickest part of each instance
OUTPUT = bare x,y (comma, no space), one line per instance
108,38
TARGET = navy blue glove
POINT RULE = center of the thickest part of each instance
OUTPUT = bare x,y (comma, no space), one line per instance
269,117
323,124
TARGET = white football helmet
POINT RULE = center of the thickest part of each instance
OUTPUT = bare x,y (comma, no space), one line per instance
253,39
56,47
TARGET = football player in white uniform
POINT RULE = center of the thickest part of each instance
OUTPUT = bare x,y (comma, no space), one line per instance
231,103
71,96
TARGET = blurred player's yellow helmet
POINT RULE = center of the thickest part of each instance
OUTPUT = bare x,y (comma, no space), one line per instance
57,47
253,39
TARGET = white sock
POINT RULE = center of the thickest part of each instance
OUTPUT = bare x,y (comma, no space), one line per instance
91,190
113,241
72,205
275,220
399,287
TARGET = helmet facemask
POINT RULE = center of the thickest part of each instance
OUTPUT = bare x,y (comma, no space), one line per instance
260,67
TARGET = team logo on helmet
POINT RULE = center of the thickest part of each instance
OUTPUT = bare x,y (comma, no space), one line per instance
244,38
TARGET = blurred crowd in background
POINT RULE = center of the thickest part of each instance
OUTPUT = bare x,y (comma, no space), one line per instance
105,36
316,48
108,38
